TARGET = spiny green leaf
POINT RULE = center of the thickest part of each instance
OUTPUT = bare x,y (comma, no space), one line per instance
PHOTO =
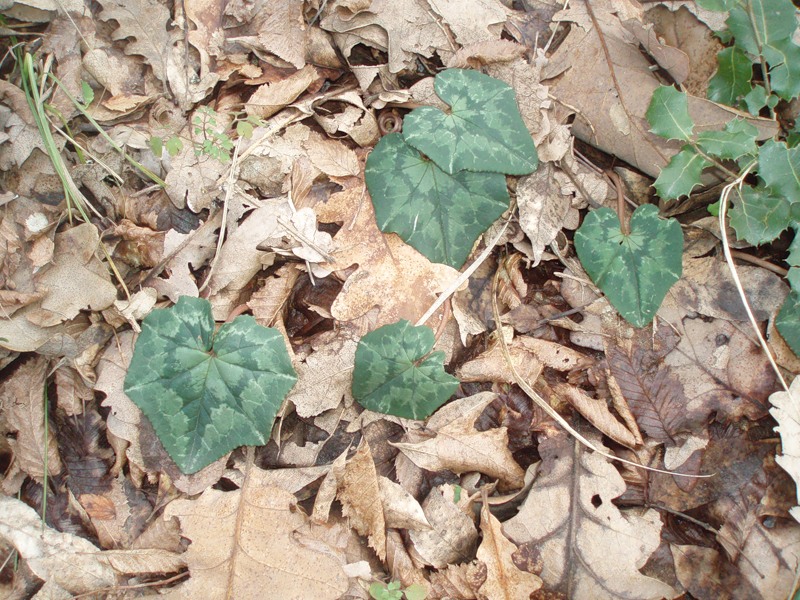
759,216
756,99
732,79
395,375
766,22
788,321
680,176
482,132
736,140
668,114
207,393
783,57
635,271
440,215
779,167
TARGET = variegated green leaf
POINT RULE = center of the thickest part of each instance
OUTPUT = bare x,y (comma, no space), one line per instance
440,215
759,216
635,271
788,321
395,375
668,114
680,176
207,393
482,132
736,140
732,79
779,167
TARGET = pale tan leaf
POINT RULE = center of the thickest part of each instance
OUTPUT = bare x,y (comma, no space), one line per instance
269,98
400,564
360,495
68,560
480,54
452,536
243,544
491,365
401,509
72,391
504,580
457,446
786,411
596,411
275,27
332,157
456,582
22,402
268,301
588,545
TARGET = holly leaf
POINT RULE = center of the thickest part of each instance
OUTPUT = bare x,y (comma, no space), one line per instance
736,140
634,271
779,167
482,132
668,114
682,173
395,375
732,79
761,23
788,321
759,216
440,215
207,393
783,57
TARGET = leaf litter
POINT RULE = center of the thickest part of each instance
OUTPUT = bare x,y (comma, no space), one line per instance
486,498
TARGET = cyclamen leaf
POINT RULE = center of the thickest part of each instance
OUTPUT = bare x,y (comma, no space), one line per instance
482,132
680,176
759,216
395,375
207,393
668,114
784,74
788,321
779,167
736,140
440,215
732,79
766,22
635,271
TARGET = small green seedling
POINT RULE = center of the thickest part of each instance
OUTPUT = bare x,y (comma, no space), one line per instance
207,393
392,591
440,184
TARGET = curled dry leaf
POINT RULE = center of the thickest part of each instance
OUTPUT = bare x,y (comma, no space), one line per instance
452,536
457,446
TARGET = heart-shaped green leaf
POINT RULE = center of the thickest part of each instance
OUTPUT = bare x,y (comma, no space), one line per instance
207,394
395,375
635,271
440,215
482,132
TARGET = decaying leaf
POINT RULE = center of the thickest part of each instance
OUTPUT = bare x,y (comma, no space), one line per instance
452,536
457,446
786,411
590,548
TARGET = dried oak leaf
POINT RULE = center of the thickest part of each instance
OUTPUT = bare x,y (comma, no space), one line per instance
588,545
243,544
504,580
457,446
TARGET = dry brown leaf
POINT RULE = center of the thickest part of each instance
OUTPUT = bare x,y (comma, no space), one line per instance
71,391
268,301
504,580
387,267
401,509
589,546
597,412
611,118
456,581
360,495
22,398
243,543
326,375
275,27
482,22
457,446
786,411
332,157
491,365
452,535
480,54
399,563
270,98
71,562
355,120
